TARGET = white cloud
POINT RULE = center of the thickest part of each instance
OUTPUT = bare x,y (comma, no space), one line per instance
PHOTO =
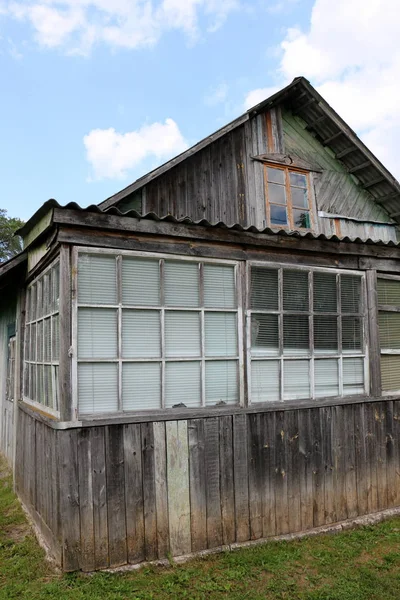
217,95
112,154
350,53
77,25
258,95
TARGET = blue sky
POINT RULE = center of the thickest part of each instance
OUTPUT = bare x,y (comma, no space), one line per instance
96,93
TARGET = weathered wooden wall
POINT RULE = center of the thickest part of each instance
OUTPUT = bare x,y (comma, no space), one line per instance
135,492
7,318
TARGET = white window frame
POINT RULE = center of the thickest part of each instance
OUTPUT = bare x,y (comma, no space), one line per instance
311,356
76,251
386,308
55,384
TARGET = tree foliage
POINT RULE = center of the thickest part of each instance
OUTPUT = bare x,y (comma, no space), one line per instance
9,244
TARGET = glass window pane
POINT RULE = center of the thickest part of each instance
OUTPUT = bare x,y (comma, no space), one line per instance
181,284
182,334
56,287
32,312
264,288
39,382
39,347
298,179
140,282
299,197
276,193
264,334
219,286
220,334
296,379
295,335
27,342
48,392
97,333
265,381
301,218
182,384
55,341
141,386
325,335
295,290
351,335
278,215
47,340
275,175
390,372
325,293
33,342
326,375
222,382
389,330
97,388
353,376
39,305
97,277
141,334
388,292
350,293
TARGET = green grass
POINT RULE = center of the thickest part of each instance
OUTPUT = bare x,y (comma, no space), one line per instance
363,564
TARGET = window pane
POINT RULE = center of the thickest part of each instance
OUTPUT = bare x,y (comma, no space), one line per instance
220,334
32,312
296,379
389,330
39,305
47,340
325,335
40,388
353,376
295,335
97,333
182,334
351,335
388,292
97,279
276,194
39,347
325,295
141,386
55,338
350,293
295,290
182,384
299,197
275,175
140,282
219,286
33,342
326,374
181,284
264,334
141,334
222,382
48,392
27,342
265,384
278,215
390,372
97,388
301,218
46,299
264,288
56,287
298,179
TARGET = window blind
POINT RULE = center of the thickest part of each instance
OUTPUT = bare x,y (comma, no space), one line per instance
98,387
141,335
295,290
388,292
325,334
182,384
390,372
326,374
265,381
141,382
140,282
264,334
295,335
221,382
182,334
353,376
219,286
97,276
389,330
97,333
181,284
350,287
296,379
324,292
264,289
220,334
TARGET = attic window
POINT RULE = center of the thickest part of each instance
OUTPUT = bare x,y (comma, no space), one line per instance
287,195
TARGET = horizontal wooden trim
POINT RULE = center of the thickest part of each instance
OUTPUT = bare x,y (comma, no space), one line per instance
178,414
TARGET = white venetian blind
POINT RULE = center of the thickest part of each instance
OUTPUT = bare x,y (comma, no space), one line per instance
98,387
141,386
390,372
326,375
182,384
295,335
295,291
182,334
350,290
97,276
141,334
181,284
264,289
265,386
97,333
47,339
389,330
264,334
353,376
325,334
222,382
324,292
140,282
219,286
296,379
220,334
351,335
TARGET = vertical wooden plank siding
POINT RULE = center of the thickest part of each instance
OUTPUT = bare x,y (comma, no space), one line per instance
116,513
241,478
160,460
149,492
99,493
86,500
69,497
178,487
255,475
197,485
134,493
226,480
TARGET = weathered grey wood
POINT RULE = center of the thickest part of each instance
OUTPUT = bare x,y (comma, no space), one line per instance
380,428
134,493
329,460
160,460
305,469
213,498
371,448
293,474
64,370
69,485
374,346
340,463
281,470
318,469
99,493
268,474
149,491
241,478
87,556
362,471
351,483
178,487
391,455
255,475
116,512
396,451
226,479
197,484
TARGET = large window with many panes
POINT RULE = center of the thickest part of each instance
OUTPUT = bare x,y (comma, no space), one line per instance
287,198
154,333
306,333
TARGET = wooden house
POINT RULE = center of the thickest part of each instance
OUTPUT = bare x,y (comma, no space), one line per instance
212,355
